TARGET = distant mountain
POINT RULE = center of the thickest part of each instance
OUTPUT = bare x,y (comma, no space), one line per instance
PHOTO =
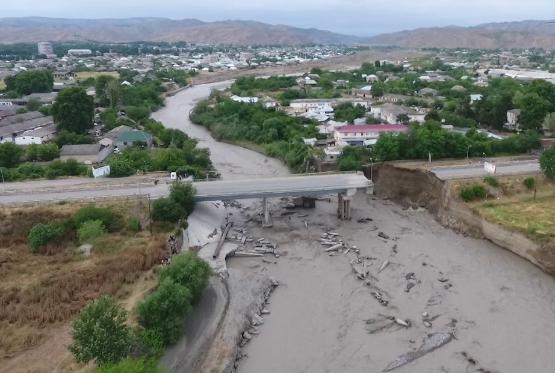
524,34
34,29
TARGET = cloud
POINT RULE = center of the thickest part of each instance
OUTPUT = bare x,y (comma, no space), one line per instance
363,17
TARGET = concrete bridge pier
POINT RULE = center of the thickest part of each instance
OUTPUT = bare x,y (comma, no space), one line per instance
343,207
266,211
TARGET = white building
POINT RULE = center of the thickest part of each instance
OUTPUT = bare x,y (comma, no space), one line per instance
79,52
245,100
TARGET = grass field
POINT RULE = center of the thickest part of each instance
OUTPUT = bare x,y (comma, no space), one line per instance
2,84
535,219
83,75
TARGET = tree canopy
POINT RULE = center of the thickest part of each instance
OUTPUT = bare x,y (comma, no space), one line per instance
100,333
32,81
74,110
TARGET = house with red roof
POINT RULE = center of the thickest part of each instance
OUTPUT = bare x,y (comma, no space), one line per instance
365,134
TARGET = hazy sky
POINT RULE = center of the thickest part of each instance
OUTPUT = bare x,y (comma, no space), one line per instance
361,17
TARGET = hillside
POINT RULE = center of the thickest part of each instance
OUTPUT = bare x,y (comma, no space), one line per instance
34,29
524,34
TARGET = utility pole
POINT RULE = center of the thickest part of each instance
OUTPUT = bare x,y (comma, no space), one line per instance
149,215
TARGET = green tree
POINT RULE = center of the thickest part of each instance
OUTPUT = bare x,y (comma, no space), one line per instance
549,124
74,110
387,148
120,167
166,210
533,110
43,234
190,271
183,194
107,93
66,137
33,104
42,152
100,333
377,90
32,81
163,311
403,118
547,163
10,154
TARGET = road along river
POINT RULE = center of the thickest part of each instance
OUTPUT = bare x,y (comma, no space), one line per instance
499,307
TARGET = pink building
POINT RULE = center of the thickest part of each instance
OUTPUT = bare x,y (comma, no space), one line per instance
365,134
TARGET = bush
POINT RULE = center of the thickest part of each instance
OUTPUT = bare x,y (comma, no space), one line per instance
132,366
90,230
529,183
100,333
183,194
162,313
110,220
492,181
190,271
134,224
120,167
166,210
42,234
473,192
10,154
547,163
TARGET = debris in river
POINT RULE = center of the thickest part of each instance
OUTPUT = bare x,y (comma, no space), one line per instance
384,264
383,235
430,343
380,298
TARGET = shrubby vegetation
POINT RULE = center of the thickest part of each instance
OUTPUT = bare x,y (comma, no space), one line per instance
491,181
10,154
109,220
473,192
43,152
52,170
162,314
353,158
179,205
43,234
547,163
90,230
530,183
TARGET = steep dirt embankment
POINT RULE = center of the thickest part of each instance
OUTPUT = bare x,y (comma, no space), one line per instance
419,188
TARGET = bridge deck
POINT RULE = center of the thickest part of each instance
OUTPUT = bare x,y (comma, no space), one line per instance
279,187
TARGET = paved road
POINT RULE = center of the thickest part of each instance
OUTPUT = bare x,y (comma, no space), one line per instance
279,186
206,190
468,171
